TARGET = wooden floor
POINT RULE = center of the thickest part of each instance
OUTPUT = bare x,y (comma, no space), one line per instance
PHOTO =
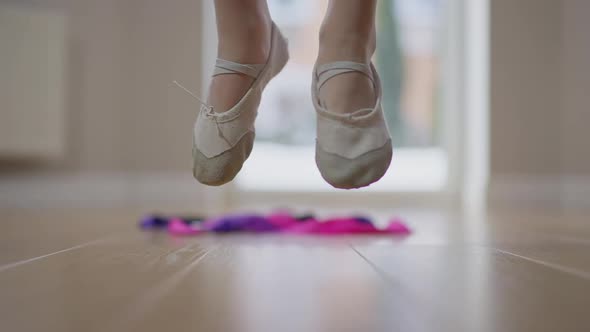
93,271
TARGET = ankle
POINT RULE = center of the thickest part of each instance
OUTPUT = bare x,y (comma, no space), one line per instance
245,42
355,45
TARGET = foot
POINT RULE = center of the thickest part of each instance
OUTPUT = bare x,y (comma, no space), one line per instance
348,92
353,147
226,90
223,135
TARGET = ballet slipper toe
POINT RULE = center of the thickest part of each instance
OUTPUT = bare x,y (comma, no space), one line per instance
223,168
344,173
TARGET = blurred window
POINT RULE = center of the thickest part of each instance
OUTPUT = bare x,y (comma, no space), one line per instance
408,60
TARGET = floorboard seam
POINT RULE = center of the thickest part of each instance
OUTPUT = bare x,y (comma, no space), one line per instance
146,303
560,268
30,260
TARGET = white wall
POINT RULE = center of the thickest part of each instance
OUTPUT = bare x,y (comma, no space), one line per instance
540,80
122,55
575,120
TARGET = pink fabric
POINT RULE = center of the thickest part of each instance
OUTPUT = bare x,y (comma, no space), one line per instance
285,223
178,227
282,219
337,226
397,226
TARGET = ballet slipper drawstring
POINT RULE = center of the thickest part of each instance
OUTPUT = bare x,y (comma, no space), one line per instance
209,113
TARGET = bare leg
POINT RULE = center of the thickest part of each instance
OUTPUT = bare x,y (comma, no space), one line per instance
348,33
244,29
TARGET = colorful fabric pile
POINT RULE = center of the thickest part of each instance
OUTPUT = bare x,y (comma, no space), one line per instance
280,222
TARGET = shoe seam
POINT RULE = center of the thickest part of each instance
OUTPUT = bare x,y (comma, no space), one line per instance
195,145
322,150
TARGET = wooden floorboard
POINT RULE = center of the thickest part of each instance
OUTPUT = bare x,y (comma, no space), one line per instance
94,271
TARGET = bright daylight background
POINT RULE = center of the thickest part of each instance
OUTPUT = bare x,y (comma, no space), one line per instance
410,43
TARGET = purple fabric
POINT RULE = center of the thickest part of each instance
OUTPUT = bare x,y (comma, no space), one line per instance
158,221
240,223
153,221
